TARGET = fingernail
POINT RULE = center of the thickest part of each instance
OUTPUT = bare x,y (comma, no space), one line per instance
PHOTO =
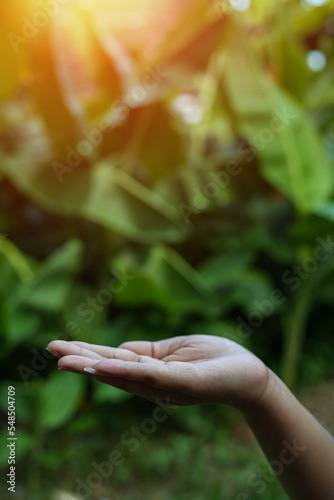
53,352
90,370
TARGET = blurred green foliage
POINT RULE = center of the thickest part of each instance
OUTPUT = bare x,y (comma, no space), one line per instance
166,168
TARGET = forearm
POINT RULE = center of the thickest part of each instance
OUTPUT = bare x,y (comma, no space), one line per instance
300,449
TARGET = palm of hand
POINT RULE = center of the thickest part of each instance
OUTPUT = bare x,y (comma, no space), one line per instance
186,370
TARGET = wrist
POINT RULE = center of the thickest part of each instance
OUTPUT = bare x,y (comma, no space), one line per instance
271,398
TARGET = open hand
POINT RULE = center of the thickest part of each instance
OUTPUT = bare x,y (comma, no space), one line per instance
185,370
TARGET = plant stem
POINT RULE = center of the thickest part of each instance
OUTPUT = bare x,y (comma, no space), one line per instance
294,334
295,324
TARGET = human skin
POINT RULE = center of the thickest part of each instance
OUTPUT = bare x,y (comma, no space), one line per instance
200,369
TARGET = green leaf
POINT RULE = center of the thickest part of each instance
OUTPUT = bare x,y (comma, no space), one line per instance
148,139
60,397
45,291
23,323
165,280
326,210
87,320
143,291
104,393
249,287
14,270
292,157
321,92
294,73
48,288
221,270
104,195
14,267
172,272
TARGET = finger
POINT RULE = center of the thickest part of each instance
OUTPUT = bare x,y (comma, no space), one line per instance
62,348
177,376
118,353
81,365
108,352
76,364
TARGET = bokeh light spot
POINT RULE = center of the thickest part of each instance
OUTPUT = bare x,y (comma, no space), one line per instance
240,5
316,60
316,3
